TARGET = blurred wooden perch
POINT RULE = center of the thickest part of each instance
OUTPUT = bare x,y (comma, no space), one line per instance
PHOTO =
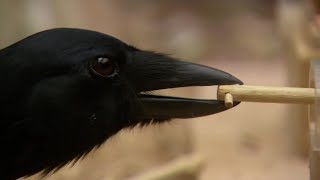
304,38
186,165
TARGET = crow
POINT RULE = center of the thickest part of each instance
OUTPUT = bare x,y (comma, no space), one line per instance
65,91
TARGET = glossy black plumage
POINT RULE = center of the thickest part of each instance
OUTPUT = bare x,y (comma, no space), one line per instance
54,110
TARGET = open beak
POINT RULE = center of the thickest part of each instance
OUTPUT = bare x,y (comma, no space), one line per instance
151,71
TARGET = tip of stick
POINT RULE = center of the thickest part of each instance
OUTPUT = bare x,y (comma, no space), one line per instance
228,100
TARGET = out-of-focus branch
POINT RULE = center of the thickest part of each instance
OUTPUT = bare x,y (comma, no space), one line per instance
186,165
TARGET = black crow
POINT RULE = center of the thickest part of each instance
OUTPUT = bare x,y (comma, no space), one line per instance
65,91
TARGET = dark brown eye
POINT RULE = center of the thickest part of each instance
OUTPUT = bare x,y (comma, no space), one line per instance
102,66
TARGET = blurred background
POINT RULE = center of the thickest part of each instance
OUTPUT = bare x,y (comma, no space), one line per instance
261,42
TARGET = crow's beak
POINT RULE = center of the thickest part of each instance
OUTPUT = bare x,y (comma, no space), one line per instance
151,71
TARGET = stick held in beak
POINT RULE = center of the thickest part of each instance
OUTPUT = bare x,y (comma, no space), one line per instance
151,71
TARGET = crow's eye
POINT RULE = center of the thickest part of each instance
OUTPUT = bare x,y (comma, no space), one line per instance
102,66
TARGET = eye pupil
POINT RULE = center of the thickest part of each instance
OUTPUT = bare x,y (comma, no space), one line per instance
102,66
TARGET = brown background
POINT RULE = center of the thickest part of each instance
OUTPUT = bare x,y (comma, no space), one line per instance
254,141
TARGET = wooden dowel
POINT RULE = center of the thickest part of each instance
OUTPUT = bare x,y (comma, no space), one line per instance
267,94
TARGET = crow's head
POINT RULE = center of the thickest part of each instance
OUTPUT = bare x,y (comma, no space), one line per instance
65,91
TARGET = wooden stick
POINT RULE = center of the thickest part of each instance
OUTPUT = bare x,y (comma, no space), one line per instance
267,94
